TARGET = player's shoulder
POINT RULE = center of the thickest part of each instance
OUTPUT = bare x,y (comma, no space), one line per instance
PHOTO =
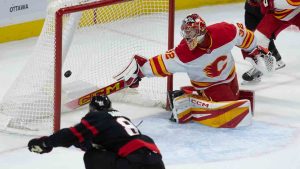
97,115
182,46
107,115
183,53
222,33
223,28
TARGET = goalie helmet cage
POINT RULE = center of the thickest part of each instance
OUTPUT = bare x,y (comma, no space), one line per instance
94,39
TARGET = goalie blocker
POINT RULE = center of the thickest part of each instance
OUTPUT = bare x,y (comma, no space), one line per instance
187,106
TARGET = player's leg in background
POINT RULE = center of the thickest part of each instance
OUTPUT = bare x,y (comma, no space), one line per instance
296,21
252,18
269,28
279,63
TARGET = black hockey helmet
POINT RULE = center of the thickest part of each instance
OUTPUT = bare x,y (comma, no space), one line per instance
100,103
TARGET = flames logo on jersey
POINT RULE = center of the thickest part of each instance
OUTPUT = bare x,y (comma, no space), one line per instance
216,67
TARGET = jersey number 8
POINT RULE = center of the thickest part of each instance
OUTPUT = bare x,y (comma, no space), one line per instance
128,126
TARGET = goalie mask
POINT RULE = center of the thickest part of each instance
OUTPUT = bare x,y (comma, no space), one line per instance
193,30
100,103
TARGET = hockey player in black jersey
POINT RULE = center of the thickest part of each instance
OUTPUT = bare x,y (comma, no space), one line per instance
253,16
110,141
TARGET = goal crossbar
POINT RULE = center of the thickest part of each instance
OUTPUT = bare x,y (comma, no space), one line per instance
58,47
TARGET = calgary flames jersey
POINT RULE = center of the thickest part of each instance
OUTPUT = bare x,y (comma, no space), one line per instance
205,67
286,10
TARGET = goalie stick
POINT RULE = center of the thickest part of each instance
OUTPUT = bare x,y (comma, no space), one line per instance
107,90
127,77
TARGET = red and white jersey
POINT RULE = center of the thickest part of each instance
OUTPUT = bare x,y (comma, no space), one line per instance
286,10
205,67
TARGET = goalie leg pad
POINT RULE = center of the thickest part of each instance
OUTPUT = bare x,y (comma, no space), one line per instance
228,114
181,109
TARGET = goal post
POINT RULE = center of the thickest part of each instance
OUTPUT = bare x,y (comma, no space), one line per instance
93,39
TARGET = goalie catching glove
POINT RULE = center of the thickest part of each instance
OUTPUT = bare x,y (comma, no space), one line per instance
261,58
132,74
38,145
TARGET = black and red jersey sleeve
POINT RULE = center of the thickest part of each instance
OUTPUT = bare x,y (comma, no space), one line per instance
113,133
84,131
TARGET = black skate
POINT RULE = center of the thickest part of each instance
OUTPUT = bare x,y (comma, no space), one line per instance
252,76
279,64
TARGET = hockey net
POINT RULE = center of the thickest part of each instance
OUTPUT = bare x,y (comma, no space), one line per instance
98,39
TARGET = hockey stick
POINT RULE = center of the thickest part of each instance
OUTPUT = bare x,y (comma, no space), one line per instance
107,90
112,88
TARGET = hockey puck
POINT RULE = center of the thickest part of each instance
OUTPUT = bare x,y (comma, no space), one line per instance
68,73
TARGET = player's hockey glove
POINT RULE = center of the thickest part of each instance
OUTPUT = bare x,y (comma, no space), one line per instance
84,146
132,74
38,145
261,58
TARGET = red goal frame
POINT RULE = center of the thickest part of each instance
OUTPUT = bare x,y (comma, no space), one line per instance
58,47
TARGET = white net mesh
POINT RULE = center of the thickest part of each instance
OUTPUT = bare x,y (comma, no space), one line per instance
95,49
